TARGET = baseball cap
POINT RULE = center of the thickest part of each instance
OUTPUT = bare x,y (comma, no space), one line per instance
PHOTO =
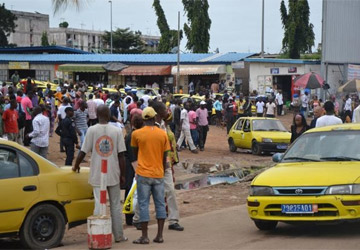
202,103
148,113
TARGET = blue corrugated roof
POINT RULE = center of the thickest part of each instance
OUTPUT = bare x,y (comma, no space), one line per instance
125,58
43,49
285,61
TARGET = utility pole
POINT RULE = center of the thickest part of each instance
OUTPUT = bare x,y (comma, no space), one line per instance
111,32
178,57
262,29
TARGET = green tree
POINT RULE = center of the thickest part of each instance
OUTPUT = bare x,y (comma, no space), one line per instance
44,39
7,25
198,26
63,4
169,38
64,24
299,36
125,41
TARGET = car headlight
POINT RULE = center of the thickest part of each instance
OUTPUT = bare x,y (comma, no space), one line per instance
266,140
343,189
261,191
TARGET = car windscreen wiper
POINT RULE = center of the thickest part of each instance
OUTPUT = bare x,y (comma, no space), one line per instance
260,129
339,158
299,158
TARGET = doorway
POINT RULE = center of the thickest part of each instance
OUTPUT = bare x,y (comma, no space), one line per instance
284,83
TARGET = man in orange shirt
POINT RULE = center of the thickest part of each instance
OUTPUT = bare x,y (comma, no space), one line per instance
150,145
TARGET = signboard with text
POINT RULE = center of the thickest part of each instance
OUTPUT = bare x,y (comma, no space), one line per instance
274,71
19,65
353,71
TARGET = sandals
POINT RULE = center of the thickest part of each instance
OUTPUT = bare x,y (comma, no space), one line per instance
158,240
142,241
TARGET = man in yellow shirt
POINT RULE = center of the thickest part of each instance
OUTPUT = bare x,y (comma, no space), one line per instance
150,145
241,104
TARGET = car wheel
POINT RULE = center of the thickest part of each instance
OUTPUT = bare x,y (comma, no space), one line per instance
43,228
232,146
265,225
255,148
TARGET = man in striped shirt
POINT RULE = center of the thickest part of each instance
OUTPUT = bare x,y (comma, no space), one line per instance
81,119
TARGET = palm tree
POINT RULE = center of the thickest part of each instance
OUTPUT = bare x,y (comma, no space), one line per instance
63,4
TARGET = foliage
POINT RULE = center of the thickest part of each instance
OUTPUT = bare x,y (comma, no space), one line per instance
7,24
169,38
63,4
198,26
125,41
64,24
44,39
298,31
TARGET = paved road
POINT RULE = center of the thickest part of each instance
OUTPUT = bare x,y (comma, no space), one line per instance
232,229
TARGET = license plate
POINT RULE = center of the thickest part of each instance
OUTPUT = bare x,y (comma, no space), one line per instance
299,208
282,146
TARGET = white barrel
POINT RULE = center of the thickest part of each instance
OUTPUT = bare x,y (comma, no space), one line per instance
99,232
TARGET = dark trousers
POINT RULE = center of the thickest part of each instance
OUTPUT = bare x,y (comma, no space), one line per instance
202,135
229,123
69,149
28,129
279,109
93,122
259,114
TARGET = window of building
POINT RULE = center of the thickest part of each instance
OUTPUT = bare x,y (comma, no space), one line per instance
43,75
3,75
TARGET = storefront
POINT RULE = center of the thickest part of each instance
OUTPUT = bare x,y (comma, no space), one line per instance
41,72
91,73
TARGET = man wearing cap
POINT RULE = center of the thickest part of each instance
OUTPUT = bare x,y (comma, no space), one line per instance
150,145
68,135
203,125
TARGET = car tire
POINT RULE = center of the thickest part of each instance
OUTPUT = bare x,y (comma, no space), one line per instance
232,146
265,225
43,228
255,148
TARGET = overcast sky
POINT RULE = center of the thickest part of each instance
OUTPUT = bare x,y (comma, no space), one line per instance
236,24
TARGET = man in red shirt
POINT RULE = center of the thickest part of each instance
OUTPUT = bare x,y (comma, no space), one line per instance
10,117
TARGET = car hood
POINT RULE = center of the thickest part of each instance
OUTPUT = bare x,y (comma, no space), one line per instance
276,136
309,174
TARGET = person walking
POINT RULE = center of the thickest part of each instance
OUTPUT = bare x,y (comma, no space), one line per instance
185,130
279,100
347,108
304,103
105,141
68,136
150,145
91,104
202,117
217,105
27,106
298,127
329,118
193,125
10,117
81,121
40,134
229,113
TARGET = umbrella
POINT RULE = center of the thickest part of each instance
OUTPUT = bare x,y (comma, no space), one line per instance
350,86
309,81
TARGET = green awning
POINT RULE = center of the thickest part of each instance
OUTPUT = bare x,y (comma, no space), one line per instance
94,68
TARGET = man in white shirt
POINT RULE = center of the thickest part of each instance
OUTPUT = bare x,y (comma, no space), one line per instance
304,103
40,133
356,115
260,108
61,111
98,100
279,102
328,119
270,108
185,130
347,107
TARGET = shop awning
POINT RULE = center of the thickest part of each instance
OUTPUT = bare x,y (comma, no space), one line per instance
146,71
94,68
199,69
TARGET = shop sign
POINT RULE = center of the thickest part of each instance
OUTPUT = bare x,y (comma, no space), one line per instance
19,65
292,69
238,65
353,71
274,71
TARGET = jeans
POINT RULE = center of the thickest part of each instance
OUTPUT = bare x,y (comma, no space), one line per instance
303,111
82,136
145,188
115,209
202,135
195,136
42,151
69,149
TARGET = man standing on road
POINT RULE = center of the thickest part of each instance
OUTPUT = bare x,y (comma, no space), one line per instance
318,112
185,130
81,119
150,145
10,117
270,108
304,103
27,108
347,108
68,136
279,102
329,118
202,116
105,141
40,134
91,104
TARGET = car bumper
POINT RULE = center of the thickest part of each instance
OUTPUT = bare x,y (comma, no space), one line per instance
330,208
273,147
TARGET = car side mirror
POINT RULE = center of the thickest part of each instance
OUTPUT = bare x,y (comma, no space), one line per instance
277,157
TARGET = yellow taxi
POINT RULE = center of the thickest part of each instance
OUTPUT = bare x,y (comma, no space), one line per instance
39,198
39,84
316,180
259,134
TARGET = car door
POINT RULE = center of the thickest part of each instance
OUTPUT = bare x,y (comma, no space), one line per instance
238,132
247,134
18,185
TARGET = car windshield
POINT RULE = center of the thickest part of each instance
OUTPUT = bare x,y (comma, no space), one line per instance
325,146
268,125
